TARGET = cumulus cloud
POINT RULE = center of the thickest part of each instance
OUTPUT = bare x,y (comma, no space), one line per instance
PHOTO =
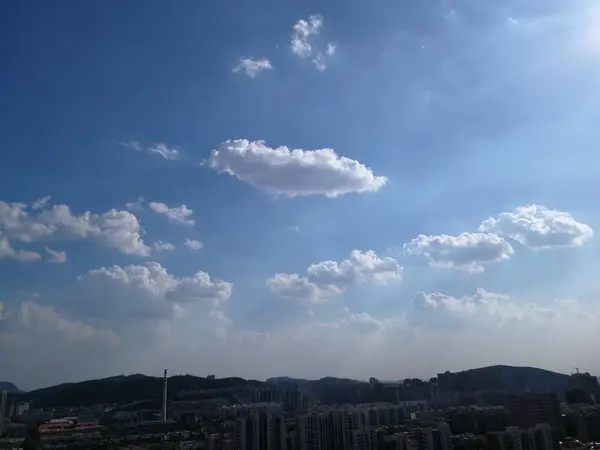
328,278
145,291
161,246
469,252
56,256
115,229
302,43
178,214
160,149
539,228
252,67
7,251
292,173
193,244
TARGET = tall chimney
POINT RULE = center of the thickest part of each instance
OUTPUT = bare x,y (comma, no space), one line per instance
2,410
163,414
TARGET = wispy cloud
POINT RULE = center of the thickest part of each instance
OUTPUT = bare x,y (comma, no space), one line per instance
161,149
252,67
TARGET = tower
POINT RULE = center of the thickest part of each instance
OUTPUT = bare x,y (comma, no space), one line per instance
2,410
163,415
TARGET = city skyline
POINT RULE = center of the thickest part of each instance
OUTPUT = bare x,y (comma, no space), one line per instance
349,190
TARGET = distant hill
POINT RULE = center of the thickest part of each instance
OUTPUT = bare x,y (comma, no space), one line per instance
11,388
141,388
301,381
512,378
125,389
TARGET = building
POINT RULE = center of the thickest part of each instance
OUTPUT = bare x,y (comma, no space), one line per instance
434,438
364,439
529,409
539,437
261,429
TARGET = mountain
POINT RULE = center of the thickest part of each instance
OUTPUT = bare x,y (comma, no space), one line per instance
126,389
9,387
510,378
141,388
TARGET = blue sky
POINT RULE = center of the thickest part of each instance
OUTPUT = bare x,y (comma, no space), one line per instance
437,211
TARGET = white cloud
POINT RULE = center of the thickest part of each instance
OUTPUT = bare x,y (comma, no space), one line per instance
252,67
161,246
178,214
160,149
468,251
302,41
41,203
292,173
164,150
146,291
7,251
56,256
489,309
328,278
135,206
539,228
50,339
116,229
193,244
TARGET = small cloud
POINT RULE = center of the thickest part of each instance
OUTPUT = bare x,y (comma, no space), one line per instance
161,246
252,67
193,244
40,203
176,214
161,149
56,256
135,206
164,151
295,228
302,45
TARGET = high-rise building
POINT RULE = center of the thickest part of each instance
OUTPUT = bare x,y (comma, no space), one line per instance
434,438
526,410
539,437
262,429
364,439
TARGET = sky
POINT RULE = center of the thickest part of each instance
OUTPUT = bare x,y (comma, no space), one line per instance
302,188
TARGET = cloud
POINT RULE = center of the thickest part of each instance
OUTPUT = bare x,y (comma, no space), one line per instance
292,173
115,229
164,151
193,244
160,149
488,309
302,43
50,339
363,322
161,246
135,206
539,228
56,256
145,291
178,214
469,252
7,251
252,67
329,278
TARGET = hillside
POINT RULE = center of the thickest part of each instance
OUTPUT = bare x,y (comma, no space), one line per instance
512,378
125,389
11,388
